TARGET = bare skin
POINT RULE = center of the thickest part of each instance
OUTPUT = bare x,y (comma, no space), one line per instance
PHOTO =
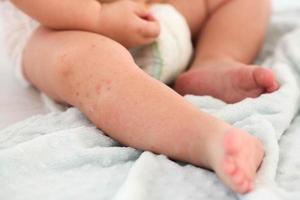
235,81
129,105
136,109
225,50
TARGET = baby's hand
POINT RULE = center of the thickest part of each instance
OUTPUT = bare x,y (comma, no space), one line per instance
129,23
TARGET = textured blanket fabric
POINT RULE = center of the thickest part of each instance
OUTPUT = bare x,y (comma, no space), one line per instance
63,156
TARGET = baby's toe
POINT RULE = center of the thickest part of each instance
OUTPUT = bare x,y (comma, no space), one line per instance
273,88
265,78
238,178
245,187
229,166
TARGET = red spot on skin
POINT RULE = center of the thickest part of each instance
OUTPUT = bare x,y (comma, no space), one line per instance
108,85
87,95
94,107
66,72
77,94
66,69
98,89
108,82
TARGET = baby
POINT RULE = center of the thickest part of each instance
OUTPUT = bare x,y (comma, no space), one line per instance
77,57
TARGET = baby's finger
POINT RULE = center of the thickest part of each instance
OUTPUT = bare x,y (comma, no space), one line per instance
138,40
149,29
142,10
149,17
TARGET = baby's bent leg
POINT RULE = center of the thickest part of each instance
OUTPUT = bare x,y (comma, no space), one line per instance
228,42
98,76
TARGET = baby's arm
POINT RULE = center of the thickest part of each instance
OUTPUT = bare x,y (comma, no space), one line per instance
127,22
63,14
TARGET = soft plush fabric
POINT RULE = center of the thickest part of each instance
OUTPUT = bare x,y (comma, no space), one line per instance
63,156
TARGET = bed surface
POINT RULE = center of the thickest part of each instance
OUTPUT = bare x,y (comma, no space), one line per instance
63,156
16,103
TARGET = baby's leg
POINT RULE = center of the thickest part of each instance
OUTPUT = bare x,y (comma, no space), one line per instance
232,32
98,76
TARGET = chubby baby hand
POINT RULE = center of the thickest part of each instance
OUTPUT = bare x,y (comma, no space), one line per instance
129,23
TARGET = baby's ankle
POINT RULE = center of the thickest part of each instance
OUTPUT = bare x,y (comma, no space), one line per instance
203,151
213,61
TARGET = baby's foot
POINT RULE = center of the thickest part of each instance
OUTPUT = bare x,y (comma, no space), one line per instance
236,164
228,81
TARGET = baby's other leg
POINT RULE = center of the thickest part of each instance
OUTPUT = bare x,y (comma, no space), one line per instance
194,11
98,76
232,32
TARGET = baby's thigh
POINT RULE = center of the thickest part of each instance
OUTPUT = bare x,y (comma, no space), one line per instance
194,12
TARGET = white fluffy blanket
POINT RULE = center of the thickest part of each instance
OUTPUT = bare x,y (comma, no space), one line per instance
63,156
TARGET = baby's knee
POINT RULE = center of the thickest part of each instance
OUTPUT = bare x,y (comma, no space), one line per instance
89,55
81,67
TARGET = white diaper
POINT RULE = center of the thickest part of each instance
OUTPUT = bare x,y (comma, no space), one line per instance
171,53
163,60
17,28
